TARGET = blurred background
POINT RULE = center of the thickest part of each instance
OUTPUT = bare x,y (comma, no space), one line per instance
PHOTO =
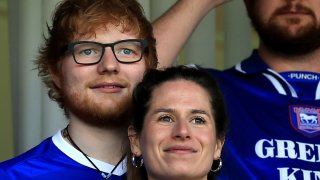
27,116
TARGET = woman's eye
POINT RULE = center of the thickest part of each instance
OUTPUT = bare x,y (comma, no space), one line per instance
165,118
198,120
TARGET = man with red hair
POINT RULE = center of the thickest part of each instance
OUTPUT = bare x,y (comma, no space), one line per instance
95,54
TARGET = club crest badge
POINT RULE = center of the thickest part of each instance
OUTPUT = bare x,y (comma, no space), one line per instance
305,119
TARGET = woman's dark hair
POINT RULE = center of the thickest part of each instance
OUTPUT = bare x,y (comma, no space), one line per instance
153,78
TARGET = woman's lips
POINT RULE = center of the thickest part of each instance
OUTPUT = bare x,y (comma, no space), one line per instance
180,149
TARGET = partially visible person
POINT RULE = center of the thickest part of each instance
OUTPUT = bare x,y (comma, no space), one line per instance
273,96
179,126
95,54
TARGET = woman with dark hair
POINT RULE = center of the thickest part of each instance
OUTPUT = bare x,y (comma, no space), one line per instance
179,126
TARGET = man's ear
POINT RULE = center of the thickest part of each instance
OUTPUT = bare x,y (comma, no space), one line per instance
218,148
134,141
56,76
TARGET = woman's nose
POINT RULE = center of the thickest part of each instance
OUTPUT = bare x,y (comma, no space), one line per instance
181,130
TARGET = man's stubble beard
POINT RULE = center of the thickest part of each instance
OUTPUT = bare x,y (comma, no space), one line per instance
280,40
94,114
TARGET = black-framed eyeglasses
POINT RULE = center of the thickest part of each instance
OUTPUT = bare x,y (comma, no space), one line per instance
90,52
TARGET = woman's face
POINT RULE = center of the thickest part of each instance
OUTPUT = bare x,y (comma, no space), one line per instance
178,139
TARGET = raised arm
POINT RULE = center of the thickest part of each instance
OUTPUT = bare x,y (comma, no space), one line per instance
176,25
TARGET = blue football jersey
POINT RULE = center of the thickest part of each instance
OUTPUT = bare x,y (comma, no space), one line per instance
274,129
55,159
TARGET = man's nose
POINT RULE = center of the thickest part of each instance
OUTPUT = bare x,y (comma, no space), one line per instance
108,62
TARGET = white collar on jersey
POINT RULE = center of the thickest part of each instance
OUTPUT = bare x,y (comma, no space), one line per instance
76,155
275,79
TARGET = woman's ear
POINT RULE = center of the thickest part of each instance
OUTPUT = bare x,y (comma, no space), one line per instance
218,148
134,141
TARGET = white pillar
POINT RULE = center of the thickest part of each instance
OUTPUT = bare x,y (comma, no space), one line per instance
24,41
157,8
200,48
146,7
237,30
